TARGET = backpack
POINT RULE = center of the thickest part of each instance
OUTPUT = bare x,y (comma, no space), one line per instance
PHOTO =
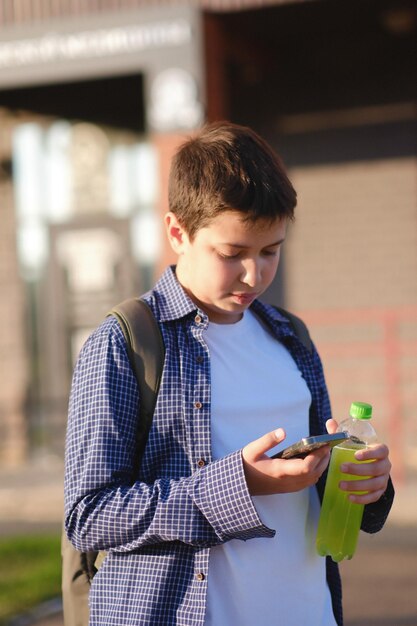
146,355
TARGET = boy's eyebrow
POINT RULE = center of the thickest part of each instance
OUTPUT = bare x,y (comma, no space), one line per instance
245,247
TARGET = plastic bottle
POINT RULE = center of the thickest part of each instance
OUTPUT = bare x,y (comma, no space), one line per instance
340,519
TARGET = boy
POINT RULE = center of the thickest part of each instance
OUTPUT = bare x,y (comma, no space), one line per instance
211,531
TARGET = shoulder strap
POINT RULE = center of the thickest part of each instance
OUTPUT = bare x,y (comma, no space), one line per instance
146,353
299,328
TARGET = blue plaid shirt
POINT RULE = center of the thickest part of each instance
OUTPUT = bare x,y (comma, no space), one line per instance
159,524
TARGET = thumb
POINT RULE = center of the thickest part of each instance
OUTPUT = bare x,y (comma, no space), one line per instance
257,448
331,426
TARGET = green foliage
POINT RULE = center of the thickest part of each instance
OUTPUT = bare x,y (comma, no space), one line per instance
30,572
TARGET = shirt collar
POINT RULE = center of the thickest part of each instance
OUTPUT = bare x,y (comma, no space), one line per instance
173,301
278,323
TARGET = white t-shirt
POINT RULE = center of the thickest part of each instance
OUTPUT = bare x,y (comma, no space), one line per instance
256,388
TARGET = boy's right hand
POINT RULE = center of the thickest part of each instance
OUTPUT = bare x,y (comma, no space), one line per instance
265,476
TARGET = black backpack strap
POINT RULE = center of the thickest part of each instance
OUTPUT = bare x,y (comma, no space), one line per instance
299,328
146,353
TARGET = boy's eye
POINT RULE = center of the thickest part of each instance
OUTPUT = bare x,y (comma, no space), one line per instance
237,255
228,256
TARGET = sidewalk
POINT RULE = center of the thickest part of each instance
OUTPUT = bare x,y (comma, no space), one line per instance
31,496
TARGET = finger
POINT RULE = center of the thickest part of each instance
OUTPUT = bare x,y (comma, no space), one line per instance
370,485
367,498
257,448
373,468
367,485
318,457
331,426
375,451
316,462
321,467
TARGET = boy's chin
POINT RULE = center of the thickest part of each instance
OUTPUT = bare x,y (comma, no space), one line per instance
226,315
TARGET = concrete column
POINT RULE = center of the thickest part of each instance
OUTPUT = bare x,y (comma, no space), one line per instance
13,360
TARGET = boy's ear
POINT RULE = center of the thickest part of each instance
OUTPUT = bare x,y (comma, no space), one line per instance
177,236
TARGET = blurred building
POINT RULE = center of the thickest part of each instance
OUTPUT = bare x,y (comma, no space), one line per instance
94,98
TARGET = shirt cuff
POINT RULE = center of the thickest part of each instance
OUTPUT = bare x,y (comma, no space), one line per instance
220,491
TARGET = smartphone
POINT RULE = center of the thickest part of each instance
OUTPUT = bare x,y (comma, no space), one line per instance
306,445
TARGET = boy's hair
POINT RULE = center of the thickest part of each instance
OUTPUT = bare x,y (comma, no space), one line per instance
228,167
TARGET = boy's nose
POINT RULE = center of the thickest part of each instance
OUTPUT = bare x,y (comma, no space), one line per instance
251,273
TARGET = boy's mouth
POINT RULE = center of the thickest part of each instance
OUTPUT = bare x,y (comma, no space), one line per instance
244,298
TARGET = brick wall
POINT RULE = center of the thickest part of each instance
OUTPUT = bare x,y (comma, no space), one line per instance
351,264
354,242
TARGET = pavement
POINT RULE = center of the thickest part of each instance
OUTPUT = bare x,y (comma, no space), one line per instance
379,583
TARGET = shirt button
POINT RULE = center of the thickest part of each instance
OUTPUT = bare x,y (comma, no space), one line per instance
199,358
201,462
197,405
198,319
200,576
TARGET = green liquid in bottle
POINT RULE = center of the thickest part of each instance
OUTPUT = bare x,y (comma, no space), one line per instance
340,519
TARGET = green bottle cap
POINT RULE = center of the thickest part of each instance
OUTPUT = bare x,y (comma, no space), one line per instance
361,410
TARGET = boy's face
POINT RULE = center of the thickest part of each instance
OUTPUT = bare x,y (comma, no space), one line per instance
228,264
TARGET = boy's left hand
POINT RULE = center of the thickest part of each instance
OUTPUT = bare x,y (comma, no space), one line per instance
377,471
